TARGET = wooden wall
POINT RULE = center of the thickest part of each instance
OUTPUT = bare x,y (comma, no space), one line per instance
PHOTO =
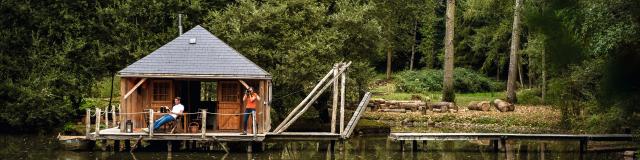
142,99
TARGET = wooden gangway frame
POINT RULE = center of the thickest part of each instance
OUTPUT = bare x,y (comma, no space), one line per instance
503,137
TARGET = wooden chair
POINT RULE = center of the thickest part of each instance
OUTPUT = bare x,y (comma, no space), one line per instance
175,123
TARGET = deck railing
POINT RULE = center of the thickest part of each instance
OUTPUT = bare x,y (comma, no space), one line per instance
98,114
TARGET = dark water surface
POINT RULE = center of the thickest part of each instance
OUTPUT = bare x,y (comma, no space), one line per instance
370,148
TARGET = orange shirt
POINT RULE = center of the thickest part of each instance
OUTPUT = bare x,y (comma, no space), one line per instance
251,103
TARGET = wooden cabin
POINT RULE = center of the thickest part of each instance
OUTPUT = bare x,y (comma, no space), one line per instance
206,73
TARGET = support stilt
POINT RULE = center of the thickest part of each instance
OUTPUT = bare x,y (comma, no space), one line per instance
414,146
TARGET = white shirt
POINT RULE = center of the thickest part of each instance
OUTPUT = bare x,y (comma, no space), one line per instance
177,109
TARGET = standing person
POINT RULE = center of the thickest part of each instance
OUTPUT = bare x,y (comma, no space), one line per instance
250,98
178,108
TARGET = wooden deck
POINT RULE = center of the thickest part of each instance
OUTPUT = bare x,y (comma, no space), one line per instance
477,136
115,134
303,136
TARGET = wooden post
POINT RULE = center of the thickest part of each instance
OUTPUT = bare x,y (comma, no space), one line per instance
288,123
98,122
334,105
169,146
583,146
253,124
106,116
415,146
113,115
203,127
151,123
87,121
116,145
424,145
494,145
343,78
402,145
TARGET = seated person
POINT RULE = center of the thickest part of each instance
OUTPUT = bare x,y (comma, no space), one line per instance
175,110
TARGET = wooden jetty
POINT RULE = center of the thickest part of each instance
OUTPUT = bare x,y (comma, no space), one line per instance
503,137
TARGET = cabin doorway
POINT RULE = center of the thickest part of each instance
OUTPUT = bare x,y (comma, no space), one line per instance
229,102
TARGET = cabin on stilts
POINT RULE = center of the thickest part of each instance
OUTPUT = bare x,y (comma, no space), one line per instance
209,76
211,79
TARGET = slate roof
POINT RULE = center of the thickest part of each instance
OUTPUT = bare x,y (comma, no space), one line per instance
209,57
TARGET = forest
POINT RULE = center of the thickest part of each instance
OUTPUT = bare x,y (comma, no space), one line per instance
581,57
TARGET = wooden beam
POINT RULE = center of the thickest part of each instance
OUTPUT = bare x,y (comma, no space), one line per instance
304,101
106,116
309,104
204,122
356,116
113,115
244,84
97,122
334,102
151,123
253,127
87,120
342,90
134,88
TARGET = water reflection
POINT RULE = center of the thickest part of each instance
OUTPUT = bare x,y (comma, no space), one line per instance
46,147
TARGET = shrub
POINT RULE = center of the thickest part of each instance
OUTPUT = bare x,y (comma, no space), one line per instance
465,81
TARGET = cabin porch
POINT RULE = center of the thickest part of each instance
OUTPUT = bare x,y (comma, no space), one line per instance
209,135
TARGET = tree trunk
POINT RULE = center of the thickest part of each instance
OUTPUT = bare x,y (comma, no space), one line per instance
520,71
389,63
413,45
513,56
544,75
448,94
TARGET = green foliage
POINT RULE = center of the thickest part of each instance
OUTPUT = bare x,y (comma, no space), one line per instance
53,53
299,41
531,96
465,81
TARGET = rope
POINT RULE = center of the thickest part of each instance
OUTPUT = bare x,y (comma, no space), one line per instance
228,114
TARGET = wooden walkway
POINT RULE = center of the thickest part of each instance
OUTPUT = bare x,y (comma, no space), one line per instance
503,137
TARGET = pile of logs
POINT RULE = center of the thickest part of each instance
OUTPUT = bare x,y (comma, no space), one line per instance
499,104
382,105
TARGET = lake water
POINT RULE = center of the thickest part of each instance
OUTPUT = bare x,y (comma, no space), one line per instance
369,147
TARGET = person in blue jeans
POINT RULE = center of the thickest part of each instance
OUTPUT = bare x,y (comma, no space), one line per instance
251,98
175,110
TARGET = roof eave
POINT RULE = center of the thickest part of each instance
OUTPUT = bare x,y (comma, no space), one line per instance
195,76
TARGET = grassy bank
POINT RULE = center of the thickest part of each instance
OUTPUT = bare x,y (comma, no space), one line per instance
527,118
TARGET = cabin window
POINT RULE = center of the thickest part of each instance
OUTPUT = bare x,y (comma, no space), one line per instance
161,91
229,92
208,91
